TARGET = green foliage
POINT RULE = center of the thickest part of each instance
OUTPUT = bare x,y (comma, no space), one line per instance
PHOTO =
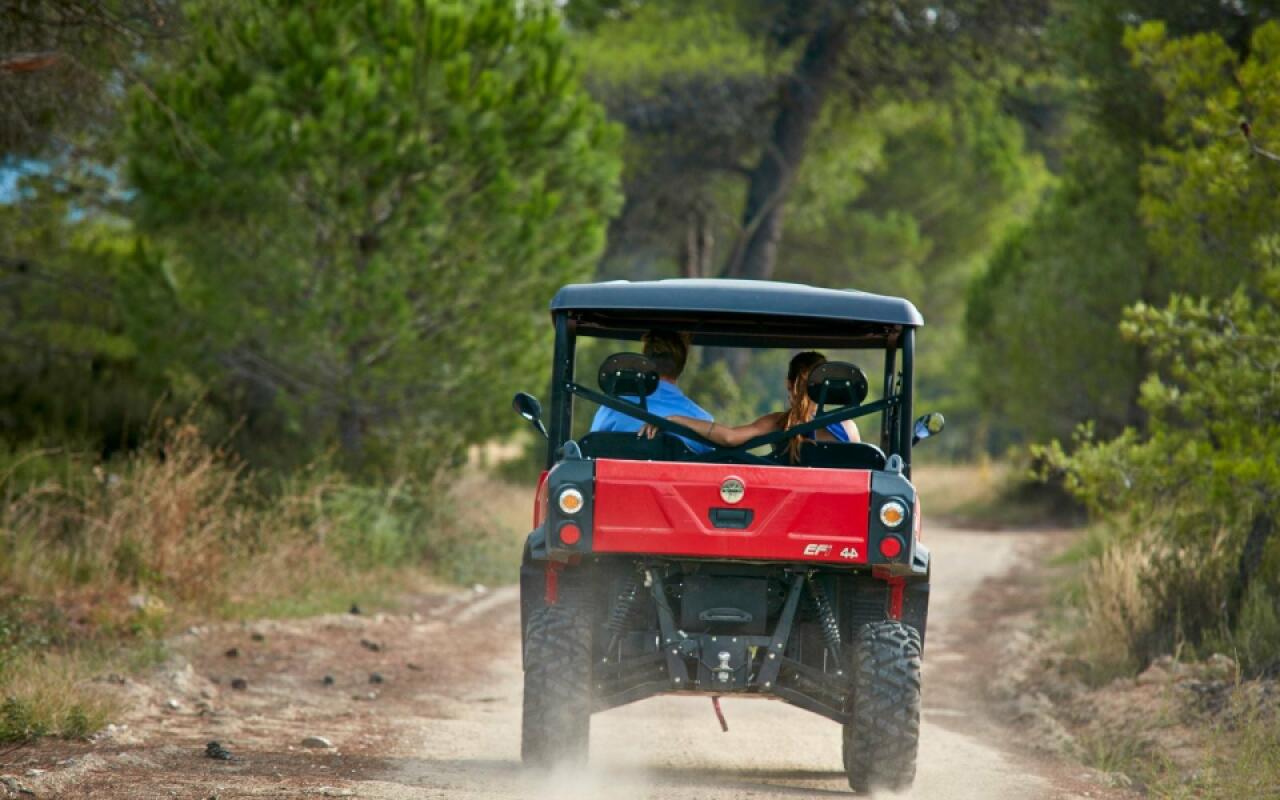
665,42
1088,38
1209,207
19,722
711,385
587,14
910,200
1120,227
364,207
1193,489
79,357
1043,319
371,527
1256,640
898,191
1194,496
690,82
1243,763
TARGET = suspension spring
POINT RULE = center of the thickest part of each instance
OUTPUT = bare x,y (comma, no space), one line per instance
826,618
623,606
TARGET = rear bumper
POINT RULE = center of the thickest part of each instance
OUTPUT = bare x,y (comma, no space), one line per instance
728,512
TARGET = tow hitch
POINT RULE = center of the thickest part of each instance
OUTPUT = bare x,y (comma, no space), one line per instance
723,661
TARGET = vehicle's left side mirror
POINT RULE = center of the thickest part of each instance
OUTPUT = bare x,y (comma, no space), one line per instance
527,406
929,425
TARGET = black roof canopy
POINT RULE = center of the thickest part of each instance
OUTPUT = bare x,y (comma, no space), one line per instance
737,312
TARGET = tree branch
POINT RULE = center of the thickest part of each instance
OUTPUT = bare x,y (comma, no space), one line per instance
1254,148
29,62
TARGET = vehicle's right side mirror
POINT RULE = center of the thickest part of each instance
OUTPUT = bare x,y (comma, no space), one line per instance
527,406
930,424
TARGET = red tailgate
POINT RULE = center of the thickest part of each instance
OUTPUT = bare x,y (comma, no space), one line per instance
665,508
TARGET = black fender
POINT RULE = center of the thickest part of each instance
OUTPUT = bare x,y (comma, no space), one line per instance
533,581
915,605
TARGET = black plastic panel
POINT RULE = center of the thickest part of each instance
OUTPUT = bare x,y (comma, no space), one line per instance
733,518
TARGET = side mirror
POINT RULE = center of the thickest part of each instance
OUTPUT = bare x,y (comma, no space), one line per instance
929,425
527,406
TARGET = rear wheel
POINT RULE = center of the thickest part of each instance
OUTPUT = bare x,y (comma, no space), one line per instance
881,740
557,686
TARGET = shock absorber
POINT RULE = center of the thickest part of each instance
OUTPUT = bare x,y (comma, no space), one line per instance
620,614
826,618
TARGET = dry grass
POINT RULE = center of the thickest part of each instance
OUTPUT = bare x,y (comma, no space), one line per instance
1228,754
169,523
483,537
992,495
1245,763
177,530
50,694
1136,596
950,489
100,560
1132,609
1116,609
96,560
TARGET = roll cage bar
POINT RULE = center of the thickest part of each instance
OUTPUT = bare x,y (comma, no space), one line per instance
741,451
896,403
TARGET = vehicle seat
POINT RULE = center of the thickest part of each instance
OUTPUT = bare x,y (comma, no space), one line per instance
835,455
629,446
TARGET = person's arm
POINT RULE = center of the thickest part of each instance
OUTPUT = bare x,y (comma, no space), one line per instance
851,428
722,435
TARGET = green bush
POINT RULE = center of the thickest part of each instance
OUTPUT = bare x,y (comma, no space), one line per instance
381,199
1195,499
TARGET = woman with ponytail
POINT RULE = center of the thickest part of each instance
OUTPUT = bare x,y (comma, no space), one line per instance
801,410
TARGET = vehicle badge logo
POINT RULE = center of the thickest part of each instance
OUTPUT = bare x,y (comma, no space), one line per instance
732,490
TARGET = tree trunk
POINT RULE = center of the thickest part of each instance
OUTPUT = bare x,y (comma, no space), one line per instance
1264,525
699,246
351,434
352,417
756,250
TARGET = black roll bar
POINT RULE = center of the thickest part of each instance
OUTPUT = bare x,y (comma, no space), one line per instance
561,376
905,422
667,426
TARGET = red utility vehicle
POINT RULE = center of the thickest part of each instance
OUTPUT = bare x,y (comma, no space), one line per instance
653,569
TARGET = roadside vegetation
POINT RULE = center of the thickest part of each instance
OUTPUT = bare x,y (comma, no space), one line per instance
1192,502
1178,582
101,561
294,231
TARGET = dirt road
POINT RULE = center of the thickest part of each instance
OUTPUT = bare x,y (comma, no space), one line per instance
428,727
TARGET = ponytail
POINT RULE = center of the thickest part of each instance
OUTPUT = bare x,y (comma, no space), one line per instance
801,408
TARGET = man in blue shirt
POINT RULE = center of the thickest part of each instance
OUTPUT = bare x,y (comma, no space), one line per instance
670,351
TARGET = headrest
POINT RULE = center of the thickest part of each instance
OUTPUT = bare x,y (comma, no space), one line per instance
629,375
837,383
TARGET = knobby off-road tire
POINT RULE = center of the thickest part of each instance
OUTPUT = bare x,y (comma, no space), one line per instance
881,741
557,686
